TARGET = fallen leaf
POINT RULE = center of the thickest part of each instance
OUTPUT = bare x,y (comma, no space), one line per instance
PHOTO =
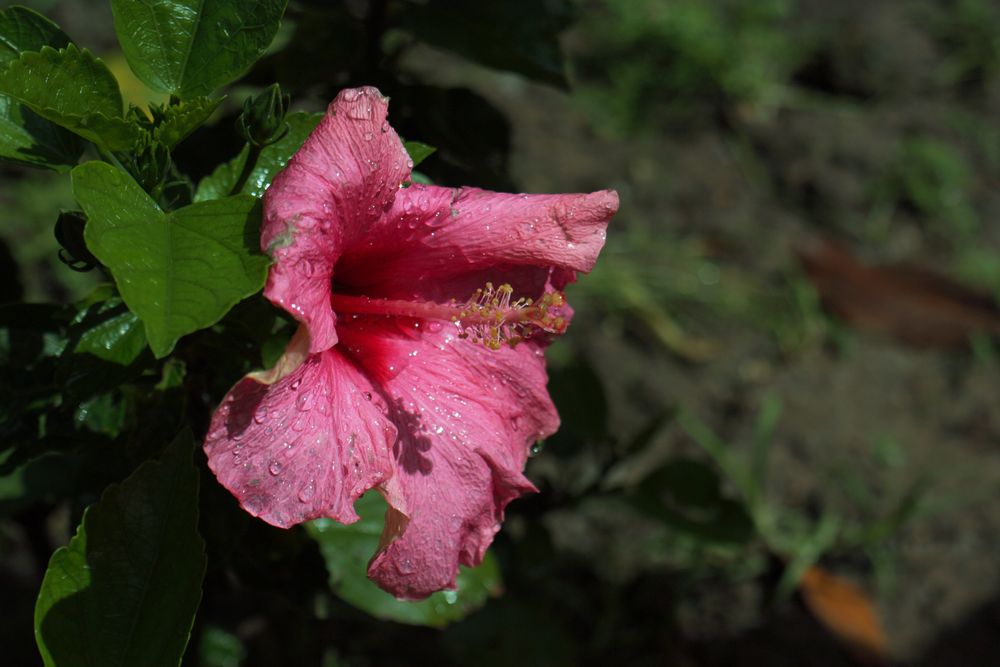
912,304
846,611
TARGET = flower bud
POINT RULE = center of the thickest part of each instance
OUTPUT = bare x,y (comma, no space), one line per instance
263,119
69,234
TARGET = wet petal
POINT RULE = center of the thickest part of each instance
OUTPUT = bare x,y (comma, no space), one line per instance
343,179
466,418
302,441
432,234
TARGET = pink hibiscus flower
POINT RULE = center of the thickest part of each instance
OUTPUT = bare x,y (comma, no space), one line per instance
418,365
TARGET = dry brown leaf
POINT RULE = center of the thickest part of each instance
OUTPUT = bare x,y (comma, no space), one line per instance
846,611
911,304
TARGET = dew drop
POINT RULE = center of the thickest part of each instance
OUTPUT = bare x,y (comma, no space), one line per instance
367,395
304,402
260,414
307,492
406,566
434,327
537,448
296,382
274,468
361,111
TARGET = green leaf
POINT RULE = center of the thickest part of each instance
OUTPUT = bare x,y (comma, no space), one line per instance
72,88
22,29
109,332
347,550
272,159
191,47
517,35
579,395
180,120
418,152
126,589
24,136
687,496
179,271
106,341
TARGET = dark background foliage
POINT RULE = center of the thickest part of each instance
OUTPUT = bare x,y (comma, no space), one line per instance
784,363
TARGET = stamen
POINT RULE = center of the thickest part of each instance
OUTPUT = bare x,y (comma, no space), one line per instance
489,316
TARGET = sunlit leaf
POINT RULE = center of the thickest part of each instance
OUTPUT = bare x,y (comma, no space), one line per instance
74,89
191,47
24,136
126,589
180,120
347,550
179,271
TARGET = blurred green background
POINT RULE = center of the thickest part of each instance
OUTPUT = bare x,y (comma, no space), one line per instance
785,357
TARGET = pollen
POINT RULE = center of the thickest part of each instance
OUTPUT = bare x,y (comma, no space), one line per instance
491,318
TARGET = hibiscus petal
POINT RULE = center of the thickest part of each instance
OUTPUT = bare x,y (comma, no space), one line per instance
302,441
466,418
343,178
433,233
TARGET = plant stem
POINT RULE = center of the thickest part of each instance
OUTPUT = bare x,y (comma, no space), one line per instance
110,158
248,166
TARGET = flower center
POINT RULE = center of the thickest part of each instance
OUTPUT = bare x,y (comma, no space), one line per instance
488,316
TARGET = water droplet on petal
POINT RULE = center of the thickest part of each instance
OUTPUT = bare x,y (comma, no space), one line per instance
274,468
260,414
307,492
304,401
296,382
537,448
433,326
406,566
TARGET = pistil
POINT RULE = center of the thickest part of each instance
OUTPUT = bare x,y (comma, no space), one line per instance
489,316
